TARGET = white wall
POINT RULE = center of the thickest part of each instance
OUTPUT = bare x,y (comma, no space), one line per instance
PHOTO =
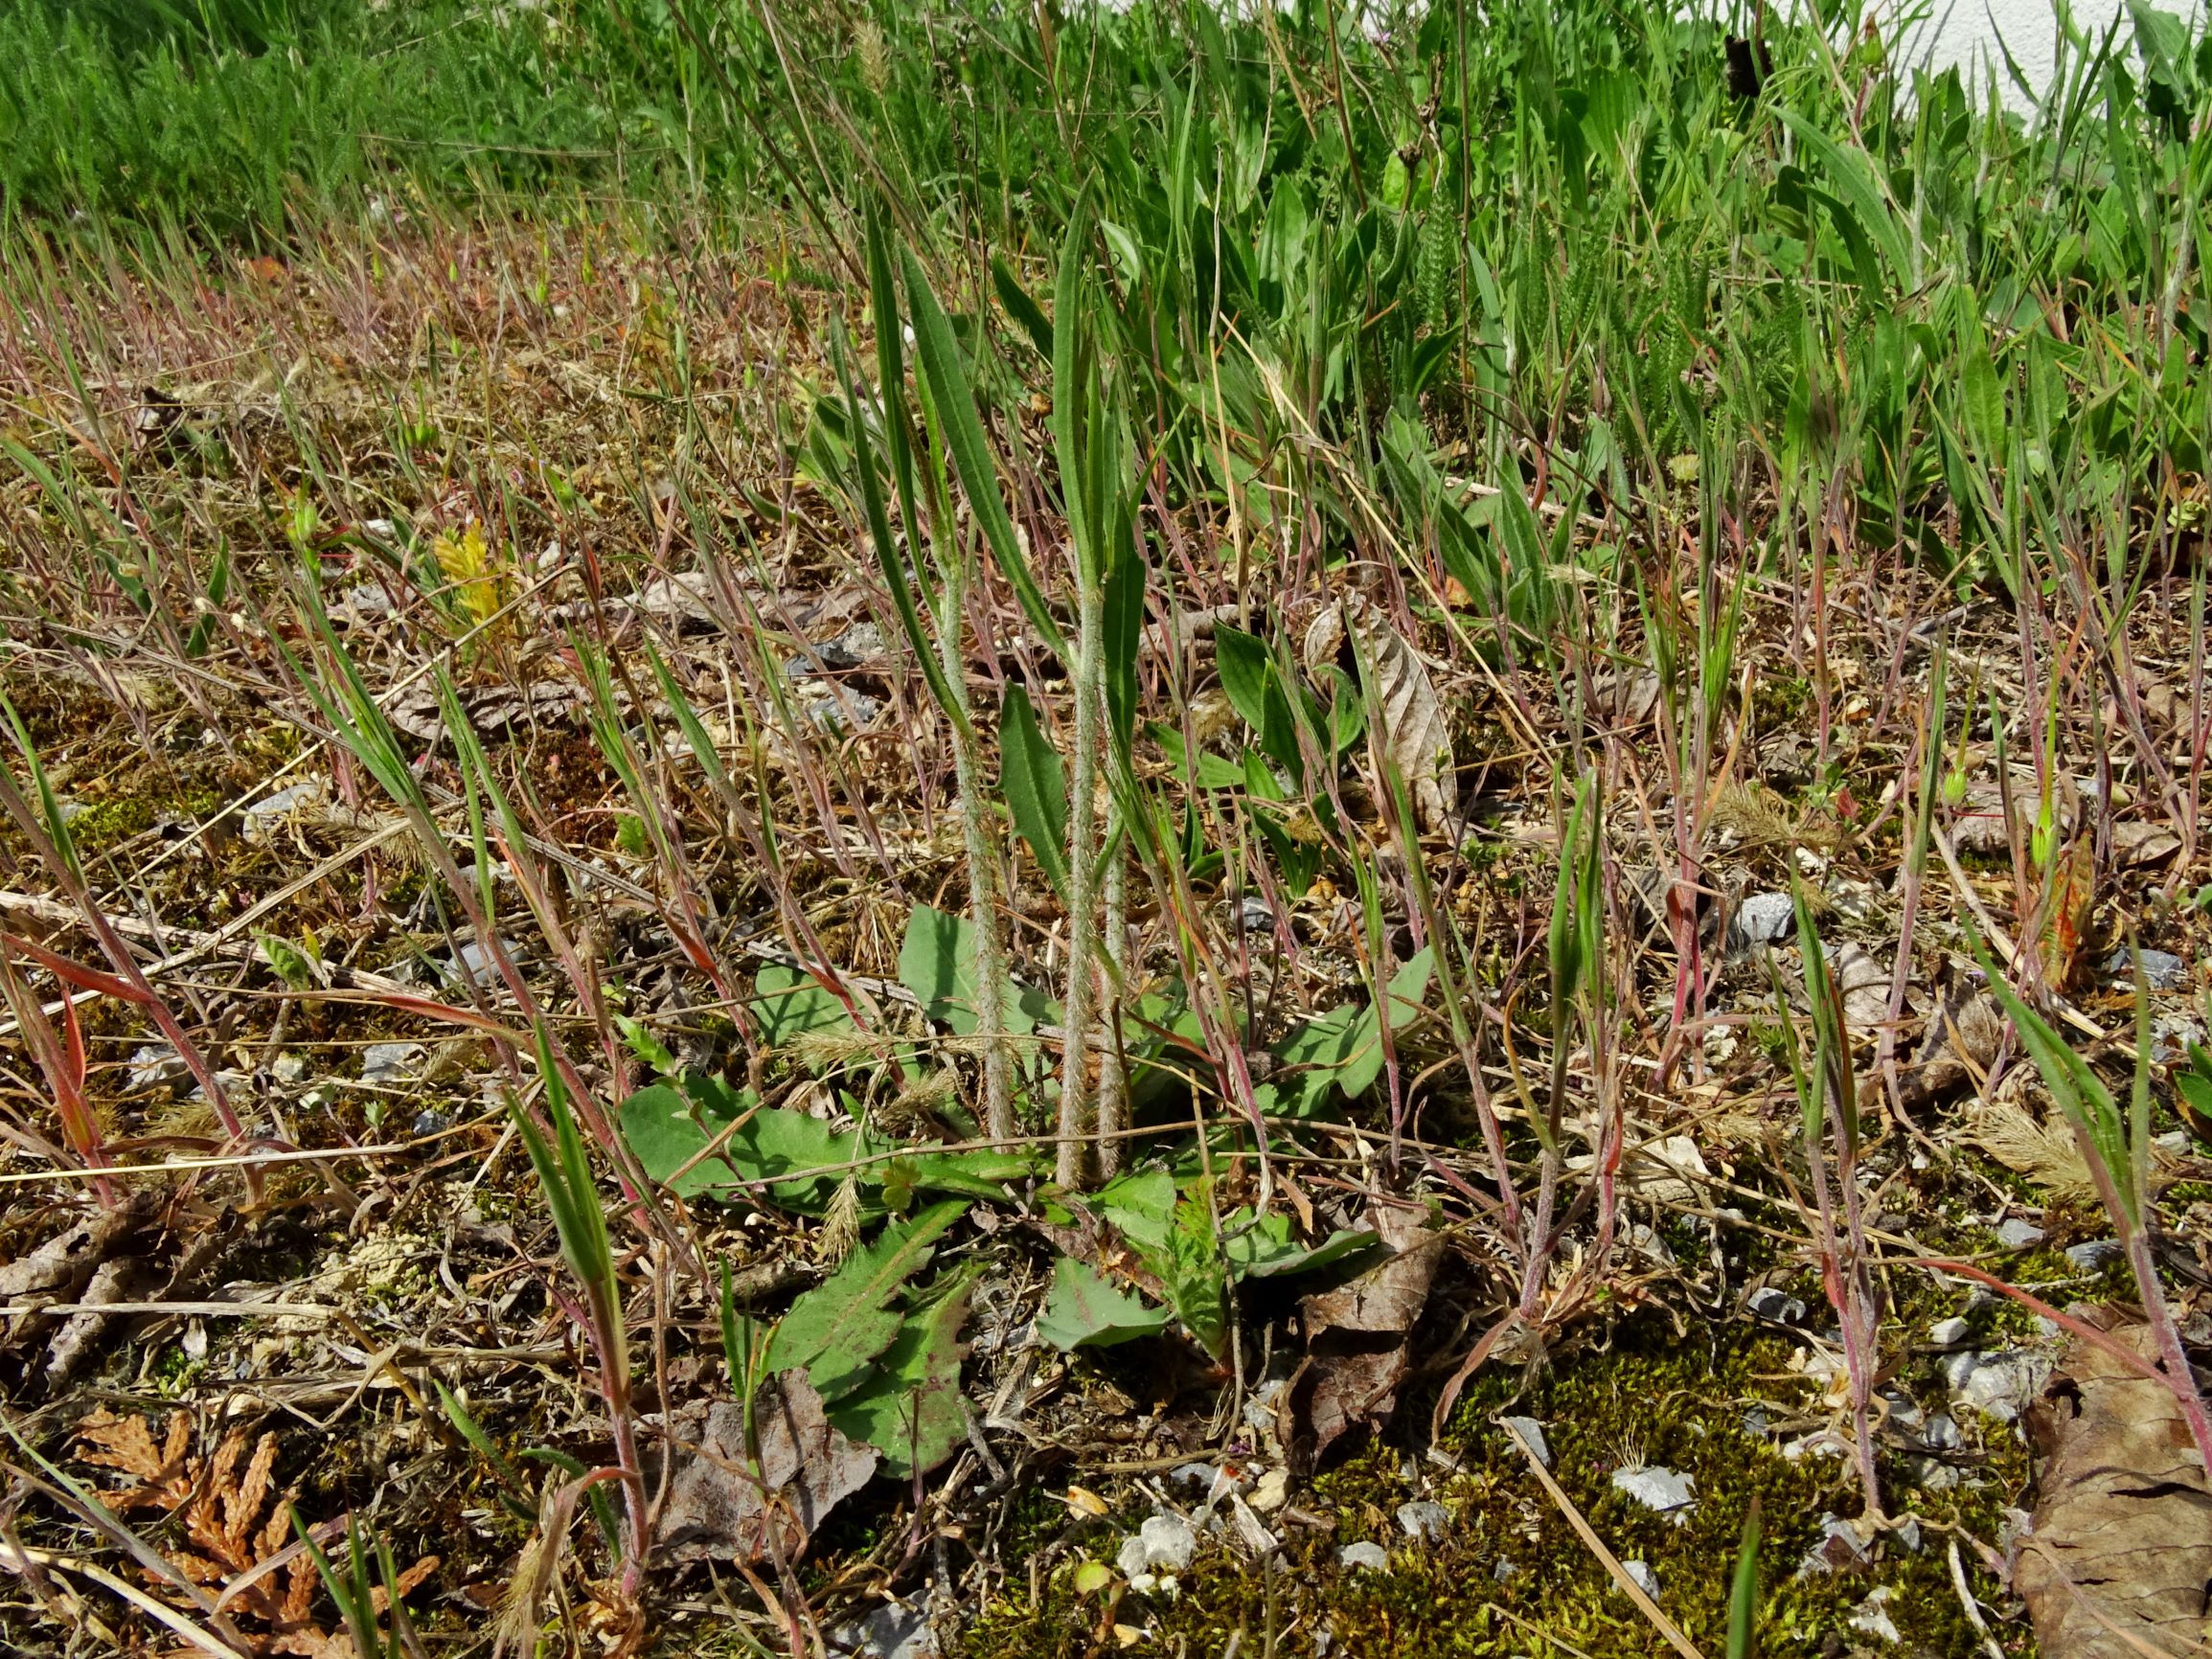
1972,32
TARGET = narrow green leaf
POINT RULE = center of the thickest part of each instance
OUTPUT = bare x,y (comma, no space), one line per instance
1022,307
2076,1090
946,377
899,580
1744,1592
1854,177
1035,784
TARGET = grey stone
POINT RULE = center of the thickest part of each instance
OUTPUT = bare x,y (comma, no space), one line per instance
388,1062
476,962
2163,969
1841,1549
1761,918
1532,1431
1645,1579
1663,1491
1425,1521
1373,1557
890,1632
1769,1303
256,819
844,710
1999,1385
428,1123
1873,1618
1948,1334
1162,1544
152,1065
1941,1432
2092,1254
2018,1233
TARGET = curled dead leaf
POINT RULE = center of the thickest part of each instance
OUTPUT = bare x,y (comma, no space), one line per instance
1357,1340
1411,730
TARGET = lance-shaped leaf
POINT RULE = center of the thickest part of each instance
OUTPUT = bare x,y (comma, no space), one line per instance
838,1329
1083,1310
2079,1093
898,579
945,377
911,1410
1036,787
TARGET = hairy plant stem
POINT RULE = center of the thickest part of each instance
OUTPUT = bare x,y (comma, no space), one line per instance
1078,1115
1113,1083
983,890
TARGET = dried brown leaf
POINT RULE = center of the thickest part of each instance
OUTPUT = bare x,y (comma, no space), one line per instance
2122,1545
715,1509
1412,730
1356,1341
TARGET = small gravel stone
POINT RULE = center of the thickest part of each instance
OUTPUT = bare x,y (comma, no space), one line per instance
2163,969
1532,1431
2088,1257
1162,1542
387,1062
1999,1385
1769,1303
1840,1549
1425,1521
2019,1234
154,1063
1273,1492
1373,1557
1948,1334
889,1632
1646,1579
1873,1618
1940,1433
1761,918
1660,1489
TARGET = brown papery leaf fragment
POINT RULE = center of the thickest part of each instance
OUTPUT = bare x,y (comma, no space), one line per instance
1412,732
715,1509
2121,1553
1356,1340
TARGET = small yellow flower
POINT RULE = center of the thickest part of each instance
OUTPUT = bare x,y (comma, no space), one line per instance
466,563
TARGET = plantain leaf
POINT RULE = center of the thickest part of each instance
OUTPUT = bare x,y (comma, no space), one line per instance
937,964
1036,787
1242,660
789,1002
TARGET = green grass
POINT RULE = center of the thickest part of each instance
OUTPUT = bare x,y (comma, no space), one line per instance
1518,333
